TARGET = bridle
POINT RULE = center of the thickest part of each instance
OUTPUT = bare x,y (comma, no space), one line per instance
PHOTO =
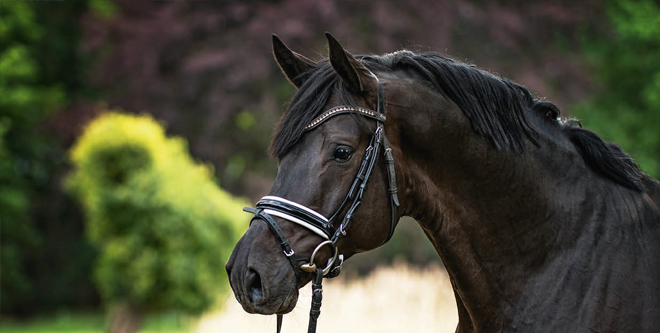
270,206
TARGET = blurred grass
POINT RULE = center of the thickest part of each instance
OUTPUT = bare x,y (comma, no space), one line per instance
93,323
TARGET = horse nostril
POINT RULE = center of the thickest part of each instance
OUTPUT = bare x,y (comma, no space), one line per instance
255,291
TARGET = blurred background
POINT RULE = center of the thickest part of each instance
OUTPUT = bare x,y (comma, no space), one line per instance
204,71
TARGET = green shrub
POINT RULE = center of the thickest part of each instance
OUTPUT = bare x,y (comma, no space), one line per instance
163,227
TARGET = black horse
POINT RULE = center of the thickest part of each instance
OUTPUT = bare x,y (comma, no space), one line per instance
542,226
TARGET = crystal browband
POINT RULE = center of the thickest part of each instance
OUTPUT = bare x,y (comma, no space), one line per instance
344,109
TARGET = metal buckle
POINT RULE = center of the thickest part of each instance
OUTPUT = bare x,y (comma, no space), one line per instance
311,266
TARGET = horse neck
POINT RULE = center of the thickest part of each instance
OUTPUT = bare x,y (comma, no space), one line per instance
491,214
490,209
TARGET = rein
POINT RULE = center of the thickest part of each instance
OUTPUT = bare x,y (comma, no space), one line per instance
270,206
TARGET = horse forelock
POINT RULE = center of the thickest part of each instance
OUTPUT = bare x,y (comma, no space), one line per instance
319,84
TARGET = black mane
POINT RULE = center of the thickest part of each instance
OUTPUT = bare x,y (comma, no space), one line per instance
497,108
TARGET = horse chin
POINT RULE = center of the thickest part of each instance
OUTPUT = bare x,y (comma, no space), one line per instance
289,303
273,306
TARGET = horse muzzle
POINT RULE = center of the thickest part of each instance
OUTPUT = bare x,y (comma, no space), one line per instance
262,281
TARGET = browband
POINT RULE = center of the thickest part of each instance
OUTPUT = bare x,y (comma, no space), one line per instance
342,109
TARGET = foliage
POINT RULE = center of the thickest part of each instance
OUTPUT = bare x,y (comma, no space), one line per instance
24,163
627,110
163,227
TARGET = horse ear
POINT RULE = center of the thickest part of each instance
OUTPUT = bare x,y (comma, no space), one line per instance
351,70
291,63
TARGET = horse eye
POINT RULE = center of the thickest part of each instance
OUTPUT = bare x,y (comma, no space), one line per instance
342,154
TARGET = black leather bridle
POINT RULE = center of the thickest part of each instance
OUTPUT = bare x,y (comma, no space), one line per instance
270,206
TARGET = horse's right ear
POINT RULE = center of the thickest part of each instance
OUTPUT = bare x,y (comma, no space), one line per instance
291,63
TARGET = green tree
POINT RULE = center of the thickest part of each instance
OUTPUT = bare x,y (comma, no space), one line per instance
25,101
163,228
627,66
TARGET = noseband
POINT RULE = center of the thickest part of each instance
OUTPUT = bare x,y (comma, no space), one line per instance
270,206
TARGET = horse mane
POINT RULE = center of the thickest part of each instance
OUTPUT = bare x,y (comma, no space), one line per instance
606,158
498,109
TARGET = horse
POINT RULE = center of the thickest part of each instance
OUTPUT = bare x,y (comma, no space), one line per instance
541,225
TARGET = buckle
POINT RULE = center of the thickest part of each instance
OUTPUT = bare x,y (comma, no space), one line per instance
311,266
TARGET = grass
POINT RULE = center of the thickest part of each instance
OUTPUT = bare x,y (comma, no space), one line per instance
93,323
63,322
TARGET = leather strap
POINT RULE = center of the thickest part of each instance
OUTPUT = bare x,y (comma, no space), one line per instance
391,189
317,297
279,234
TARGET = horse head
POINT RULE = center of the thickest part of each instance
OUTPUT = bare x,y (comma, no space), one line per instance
333,157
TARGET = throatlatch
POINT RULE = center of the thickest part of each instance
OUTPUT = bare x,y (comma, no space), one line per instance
270,206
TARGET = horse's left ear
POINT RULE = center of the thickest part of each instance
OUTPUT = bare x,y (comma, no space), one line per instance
352,71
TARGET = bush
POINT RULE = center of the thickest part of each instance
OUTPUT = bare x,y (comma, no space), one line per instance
163,228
